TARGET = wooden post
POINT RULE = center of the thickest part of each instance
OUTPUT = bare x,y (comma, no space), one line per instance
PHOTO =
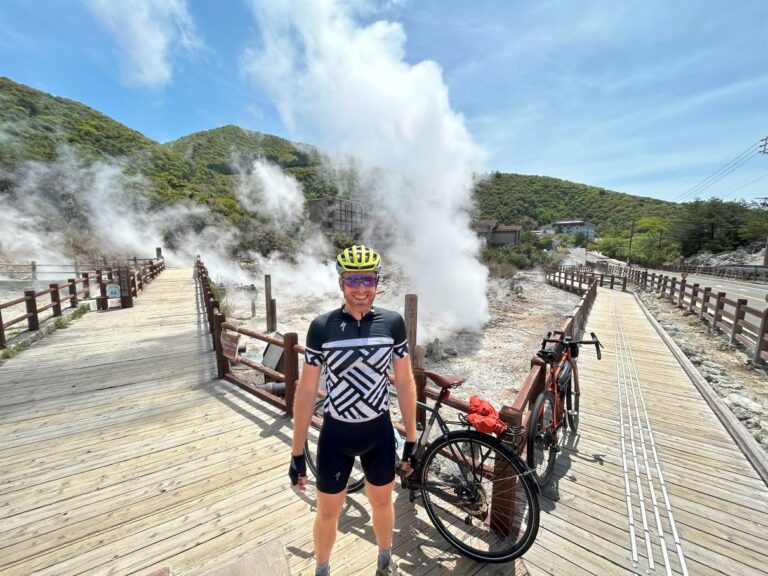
612,280
268,302
2,331
34,270
738,315
273,315
624,284
55,300
720,304
33,322
421,383
681,300
663,290
602,277
290,369
86,286
672,285
72,292
102,303
645,280
756,357
411,320
158,252
126,297
222,362
694,294
253,306
705,302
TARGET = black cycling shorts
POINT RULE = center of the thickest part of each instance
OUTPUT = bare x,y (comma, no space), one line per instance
340,442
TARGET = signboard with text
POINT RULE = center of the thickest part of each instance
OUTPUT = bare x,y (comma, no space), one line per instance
229,344
113,291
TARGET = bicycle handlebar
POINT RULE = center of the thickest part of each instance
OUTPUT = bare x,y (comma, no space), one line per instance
563,340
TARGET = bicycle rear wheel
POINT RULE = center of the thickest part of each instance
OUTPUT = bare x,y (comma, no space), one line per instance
356,478
572,405
480,496
542,438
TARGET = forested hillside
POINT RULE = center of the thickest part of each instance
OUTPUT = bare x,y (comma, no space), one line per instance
537,200
203,168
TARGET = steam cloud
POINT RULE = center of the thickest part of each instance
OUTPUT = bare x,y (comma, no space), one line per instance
346,87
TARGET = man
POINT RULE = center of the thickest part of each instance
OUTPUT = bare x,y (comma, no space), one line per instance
356,344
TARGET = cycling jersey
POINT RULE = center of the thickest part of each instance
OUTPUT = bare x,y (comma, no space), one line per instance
356,355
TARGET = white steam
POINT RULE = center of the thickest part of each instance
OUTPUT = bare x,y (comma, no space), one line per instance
265,190
346,87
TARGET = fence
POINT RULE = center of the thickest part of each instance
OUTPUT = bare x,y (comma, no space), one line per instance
224,337
74,290
735,271
577,279
731,316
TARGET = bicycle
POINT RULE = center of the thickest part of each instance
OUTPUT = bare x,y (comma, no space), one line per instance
557,404
477,491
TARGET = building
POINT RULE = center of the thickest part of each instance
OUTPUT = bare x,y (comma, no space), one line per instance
340,215
573,228
497,234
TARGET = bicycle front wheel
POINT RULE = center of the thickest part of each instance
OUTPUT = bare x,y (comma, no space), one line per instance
357,476
542,438
480,496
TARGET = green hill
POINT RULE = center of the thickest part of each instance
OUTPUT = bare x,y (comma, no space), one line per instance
203,168
538,200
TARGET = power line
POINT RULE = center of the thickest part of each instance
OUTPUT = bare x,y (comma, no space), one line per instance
744,184
721,173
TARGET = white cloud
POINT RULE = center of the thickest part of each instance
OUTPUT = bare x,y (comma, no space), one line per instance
147,33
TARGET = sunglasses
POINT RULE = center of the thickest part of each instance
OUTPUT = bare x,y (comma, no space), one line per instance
369,281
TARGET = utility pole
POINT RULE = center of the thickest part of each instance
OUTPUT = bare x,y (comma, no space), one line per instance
631,234
765,203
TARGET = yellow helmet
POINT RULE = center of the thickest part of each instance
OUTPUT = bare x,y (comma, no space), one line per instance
358,259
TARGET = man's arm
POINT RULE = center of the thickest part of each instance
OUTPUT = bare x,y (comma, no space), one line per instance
303,407
406,395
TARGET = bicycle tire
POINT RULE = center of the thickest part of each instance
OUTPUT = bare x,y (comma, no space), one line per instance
542,438
454,465
572,405
356,478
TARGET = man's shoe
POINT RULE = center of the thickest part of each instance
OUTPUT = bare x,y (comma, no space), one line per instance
389,570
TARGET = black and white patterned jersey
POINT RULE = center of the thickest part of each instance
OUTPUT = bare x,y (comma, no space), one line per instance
356,355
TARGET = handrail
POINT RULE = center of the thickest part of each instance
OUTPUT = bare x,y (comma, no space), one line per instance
135,280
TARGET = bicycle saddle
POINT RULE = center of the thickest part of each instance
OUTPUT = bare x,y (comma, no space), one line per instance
549,355
443,380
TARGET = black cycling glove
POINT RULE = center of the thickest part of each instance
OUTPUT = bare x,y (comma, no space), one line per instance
409,454
298,468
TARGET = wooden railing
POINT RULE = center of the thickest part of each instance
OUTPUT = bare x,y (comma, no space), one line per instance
749,273
224,337
579,278
741,323
68,294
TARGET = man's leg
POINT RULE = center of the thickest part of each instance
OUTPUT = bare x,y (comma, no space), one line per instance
326,520
383,510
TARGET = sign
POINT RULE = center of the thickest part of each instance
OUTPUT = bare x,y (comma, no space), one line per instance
229,344
113,291
273,354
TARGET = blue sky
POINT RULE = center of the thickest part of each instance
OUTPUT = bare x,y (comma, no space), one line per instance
648,97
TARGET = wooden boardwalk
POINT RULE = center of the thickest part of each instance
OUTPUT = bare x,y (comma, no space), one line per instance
653,482
120,453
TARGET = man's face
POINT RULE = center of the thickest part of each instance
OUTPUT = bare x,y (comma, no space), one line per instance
359,290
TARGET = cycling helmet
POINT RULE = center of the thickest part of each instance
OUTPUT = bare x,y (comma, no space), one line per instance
358,259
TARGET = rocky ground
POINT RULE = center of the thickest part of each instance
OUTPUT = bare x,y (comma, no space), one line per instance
730,372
